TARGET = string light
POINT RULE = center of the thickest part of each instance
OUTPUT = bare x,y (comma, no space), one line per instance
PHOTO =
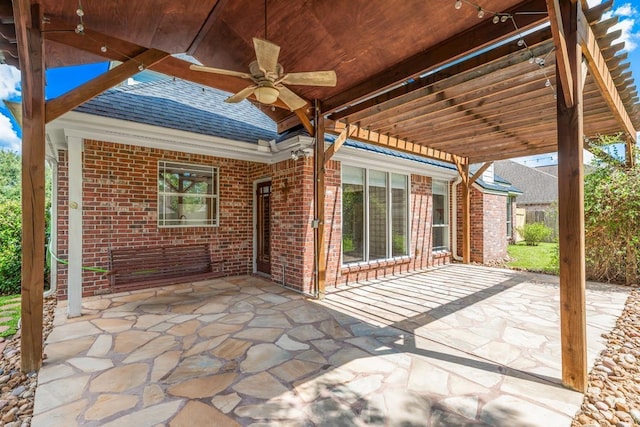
80,12
103,48
501,17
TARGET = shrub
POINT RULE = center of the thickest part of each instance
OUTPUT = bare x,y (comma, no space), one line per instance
534,233
612,224
10,246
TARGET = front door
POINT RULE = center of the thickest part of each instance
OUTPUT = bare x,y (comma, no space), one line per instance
263,227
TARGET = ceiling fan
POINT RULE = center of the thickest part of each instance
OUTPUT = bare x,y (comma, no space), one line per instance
269,78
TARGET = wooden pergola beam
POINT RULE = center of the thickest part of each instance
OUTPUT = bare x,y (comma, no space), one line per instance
391,142
31,46
562,57
122,50
600,73
479,172
338,143
64,103
456,47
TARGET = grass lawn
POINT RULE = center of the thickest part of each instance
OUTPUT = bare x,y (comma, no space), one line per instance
9,314
533,258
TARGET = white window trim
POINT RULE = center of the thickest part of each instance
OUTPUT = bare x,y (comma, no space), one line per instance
447,224
366,260
215,170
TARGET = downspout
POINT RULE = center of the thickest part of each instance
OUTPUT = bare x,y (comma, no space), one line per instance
53,230
454,207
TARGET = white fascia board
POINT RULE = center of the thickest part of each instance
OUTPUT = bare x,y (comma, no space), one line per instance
364,158
89,126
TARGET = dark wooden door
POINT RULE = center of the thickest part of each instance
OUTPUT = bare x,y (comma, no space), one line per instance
263,228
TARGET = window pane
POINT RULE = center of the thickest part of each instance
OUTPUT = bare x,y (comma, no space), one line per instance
352,214
440,216
377,215
399,220
440,238
187,195
187,210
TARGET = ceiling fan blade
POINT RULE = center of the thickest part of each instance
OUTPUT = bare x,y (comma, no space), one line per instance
242,95
266,54
292,100
311,78
220,71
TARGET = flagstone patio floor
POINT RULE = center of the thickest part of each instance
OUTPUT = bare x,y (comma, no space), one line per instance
453,346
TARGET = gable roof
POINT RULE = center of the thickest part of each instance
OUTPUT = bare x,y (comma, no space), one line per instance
537,186
181,105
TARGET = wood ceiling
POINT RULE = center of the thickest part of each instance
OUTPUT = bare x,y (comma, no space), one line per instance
474,99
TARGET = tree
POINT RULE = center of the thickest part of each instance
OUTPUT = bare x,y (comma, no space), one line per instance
612,217
10,167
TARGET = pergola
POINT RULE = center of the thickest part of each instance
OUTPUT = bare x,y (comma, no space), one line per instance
460,81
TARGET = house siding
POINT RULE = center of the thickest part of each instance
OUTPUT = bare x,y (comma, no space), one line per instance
120,211
488,226
120,188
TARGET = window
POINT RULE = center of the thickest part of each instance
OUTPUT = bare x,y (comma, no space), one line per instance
375,215
187,195
440,219
510,200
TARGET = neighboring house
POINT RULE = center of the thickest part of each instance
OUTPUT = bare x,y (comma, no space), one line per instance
539,191
168,162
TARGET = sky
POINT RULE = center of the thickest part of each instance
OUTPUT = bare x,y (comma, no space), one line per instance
60,80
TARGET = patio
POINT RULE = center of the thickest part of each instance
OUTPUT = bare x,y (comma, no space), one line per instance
456,345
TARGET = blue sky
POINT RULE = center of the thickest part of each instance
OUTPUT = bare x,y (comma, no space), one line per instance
60,80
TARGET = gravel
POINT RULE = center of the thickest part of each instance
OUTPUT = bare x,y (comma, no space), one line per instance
613,393
17,390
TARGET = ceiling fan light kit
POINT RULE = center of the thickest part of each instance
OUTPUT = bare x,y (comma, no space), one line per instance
269,78
266,94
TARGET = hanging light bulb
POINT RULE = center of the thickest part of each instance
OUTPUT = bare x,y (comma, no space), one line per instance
520,42
103,49
80,12
480,13
496,19
547,83
141,67
458,4
79,29
504,18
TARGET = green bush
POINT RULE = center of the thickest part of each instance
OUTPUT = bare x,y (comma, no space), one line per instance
534,233
10,246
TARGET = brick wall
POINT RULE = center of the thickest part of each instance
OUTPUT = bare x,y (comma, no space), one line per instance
120,210
291,216
488,226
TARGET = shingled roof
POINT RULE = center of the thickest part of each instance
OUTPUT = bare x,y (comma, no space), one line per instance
183,106
537,186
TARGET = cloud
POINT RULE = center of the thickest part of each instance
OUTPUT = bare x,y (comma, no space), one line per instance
627,14
8,137
9,81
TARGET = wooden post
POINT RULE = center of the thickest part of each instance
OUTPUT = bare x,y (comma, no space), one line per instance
571,214
629,152
321,253
33,178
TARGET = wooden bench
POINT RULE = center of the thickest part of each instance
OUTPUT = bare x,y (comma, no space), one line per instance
135,268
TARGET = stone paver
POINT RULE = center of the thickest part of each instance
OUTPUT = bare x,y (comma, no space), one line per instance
454,346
